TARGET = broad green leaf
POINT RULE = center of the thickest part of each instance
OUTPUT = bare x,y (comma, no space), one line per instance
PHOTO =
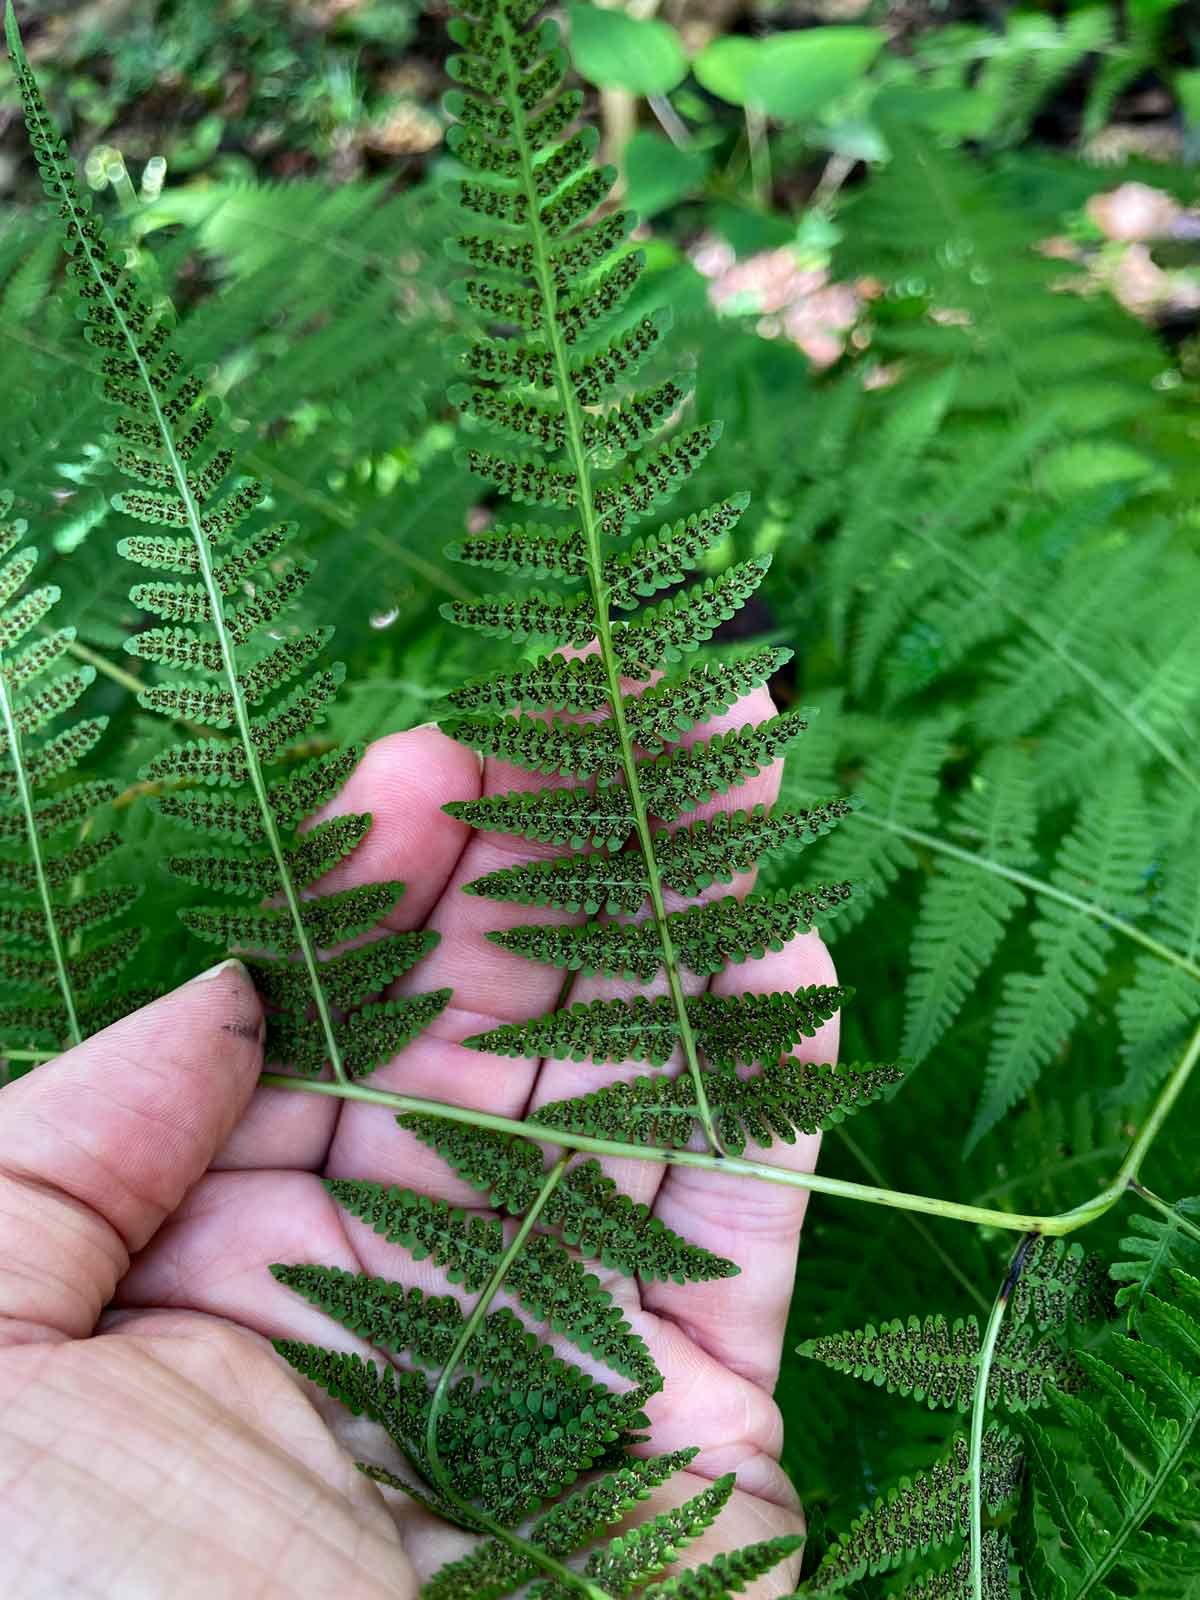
619,52
658,174
791,76
724,68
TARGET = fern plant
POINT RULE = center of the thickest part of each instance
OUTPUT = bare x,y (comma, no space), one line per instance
502,1433
259,685
57,973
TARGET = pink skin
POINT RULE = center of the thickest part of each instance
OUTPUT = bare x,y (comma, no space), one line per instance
150,1440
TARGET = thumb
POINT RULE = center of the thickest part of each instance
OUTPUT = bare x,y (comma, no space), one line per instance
100,1145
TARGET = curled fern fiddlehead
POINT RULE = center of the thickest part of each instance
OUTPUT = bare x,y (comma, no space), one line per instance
48,940
257,682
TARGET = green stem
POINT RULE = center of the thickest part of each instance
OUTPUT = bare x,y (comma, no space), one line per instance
437,1471
818,1183
25,797
1037,886
215,600
979,1412
1129,1169
600,598
1170,1212
102,664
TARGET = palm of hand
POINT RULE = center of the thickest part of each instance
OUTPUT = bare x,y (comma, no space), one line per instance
176,1453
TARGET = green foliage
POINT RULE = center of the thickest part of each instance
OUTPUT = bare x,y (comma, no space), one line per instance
54,965
1137,1437
785,1098
165,423
1155,1248
595,1217
937,1361
984,562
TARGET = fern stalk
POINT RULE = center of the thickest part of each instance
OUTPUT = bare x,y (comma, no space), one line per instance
13,734
816,1182
205,572
987,1355
595,576
531,1552
1172,1213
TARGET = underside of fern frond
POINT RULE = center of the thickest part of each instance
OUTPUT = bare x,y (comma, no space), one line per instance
250,675
58,959
553,368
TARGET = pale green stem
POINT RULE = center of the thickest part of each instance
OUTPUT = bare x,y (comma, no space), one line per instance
102,664
600,597
470,1327
816,1182
987,1355
758,146
25,798
1164,1207
1038,886
228,660
1130,1168
30,1055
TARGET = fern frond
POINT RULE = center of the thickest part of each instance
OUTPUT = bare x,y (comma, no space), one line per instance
954,1582
1138,1435
937,1362
188,482
635,1556
402,1320
45,914
368,1039
1156,1247
727,1573
331,920
530,549
1105,854
349,978
546,1280
922,1513
673,707
675,627
314,854
562,684
964,912
533,616
704,937
494,1569
754,1029
594,1216
786,1098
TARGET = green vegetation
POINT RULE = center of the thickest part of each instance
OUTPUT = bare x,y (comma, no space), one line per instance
951,520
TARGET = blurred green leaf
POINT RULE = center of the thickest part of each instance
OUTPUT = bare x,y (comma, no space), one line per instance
619,52
659,174
791,76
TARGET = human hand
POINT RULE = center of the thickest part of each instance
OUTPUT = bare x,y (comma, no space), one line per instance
159,1446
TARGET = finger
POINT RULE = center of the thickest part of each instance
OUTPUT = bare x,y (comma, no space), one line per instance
403,781
99,1146
741,1321
562,1080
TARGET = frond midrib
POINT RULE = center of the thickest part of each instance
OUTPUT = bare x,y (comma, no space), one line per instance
600,590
